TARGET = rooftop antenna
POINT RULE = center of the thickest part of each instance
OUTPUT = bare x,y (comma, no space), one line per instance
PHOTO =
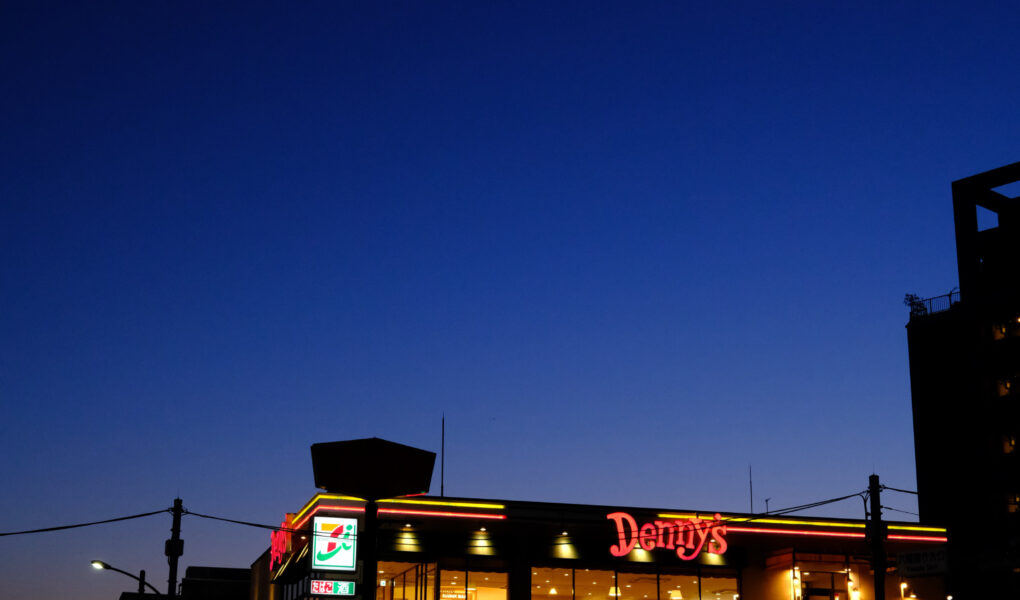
442,459
750,485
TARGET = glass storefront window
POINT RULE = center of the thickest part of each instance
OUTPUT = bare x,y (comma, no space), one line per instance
719,588
406,581
823,585
453,585
552,584
678,587
637,586
487,586
595,584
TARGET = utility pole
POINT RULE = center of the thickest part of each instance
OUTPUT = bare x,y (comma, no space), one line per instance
141,582
876,530
174,548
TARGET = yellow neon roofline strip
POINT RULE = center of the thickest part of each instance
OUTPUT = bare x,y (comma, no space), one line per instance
316,498
801,522
770,521
319,497
442,503
917,528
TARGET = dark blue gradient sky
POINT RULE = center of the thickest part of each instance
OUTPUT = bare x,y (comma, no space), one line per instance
628,249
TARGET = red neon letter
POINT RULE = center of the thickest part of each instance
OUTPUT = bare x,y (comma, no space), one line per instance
647,536
703,530
718,534
669,527
624,547
692,527
684,539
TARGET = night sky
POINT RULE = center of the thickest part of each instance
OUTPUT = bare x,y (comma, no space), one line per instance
629,250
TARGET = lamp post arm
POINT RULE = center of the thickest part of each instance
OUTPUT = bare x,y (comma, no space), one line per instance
135,577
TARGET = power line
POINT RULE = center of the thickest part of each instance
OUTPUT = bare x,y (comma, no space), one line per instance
741,519
261,526
885,487
906,512
248,523
61,527
793,509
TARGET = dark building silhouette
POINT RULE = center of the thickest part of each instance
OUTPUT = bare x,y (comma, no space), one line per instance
215,583
206,583
965,387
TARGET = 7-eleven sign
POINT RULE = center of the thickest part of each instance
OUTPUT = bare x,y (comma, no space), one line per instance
334,543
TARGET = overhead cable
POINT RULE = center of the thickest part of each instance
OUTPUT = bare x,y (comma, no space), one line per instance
885,487
61,527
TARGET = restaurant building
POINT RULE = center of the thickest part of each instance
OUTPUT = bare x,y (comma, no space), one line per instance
443,548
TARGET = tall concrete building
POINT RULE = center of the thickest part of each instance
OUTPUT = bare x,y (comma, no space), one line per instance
965,387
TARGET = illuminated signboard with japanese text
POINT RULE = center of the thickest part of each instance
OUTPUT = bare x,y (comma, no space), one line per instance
687,537
334,543
279,544
332,588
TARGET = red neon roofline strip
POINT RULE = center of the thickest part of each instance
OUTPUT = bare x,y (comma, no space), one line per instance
796,532
902,538
918,538
429,513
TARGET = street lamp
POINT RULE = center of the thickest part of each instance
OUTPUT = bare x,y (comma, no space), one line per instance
140,578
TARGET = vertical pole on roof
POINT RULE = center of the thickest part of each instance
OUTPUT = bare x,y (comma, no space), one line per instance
750,485
442,459
876,528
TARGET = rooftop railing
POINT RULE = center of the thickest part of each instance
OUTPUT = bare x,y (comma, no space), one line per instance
928,306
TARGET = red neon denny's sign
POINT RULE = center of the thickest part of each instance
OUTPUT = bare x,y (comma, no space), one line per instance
688,537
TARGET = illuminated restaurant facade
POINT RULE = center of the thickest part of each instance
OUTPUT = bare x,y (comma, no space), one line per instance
442,548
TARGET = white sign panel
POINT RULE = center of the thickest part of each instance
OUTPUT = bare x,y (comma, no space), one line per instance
334,543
